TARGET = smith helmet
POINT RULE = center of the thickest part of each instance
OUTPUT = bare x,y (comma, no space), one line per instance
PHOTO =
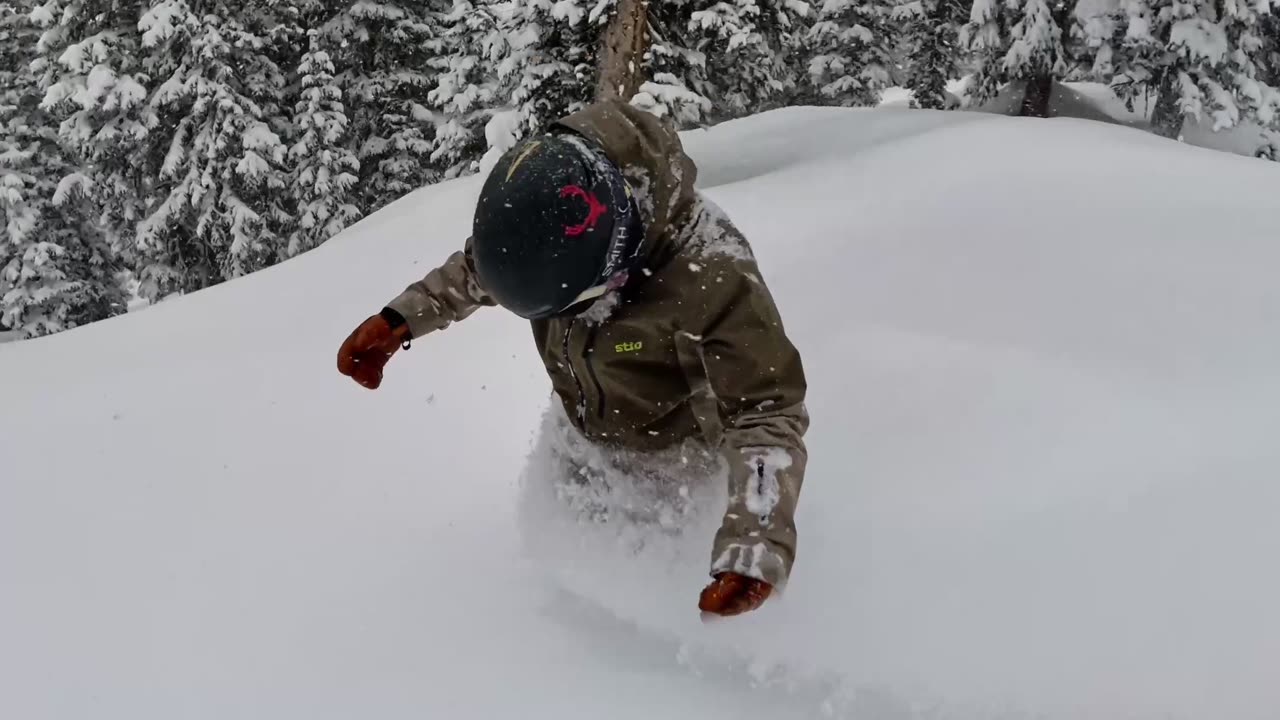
555,227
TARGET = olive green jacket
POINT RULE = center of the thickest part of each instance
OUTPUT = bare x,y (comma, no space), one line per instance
695,348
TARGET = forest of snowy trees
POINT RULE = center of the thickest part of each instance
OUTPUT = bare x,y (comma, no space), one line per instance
152,148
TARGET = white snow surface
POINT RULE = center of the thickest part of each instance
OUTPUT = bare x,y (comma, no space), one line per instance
1042,360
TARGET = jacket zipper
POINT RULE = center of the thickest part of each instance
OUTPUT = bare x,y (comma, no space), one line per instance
587,352
582,396
591,372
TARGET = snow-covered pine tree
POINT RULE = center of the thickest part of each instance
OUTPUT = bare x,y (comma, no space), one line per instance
56,269
16,149
703,60
699,62
548,65
466,84
1270,32
219,209
1036,55
1269,63
1095,28
851,43
1198,57
931,48
677,84
1269,70
747,49
1017,41
325,171
95,76
384,53
985,37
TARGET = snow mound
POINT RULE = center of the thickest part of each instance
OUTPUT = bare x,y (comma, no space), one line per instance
1042,360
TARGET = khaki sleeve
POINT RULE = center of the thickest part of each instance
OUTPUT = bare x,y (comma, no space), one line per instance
446,295
759,385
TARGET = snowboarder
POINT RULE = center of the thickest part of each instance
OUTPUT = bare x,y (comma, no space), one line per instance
649,312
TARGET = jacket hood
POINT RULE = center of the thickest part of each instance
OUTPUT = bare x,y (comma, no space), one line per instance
649,153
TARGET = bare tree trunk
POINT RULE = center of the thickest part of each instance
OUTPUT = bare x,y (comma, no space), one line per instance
622,49
1035,99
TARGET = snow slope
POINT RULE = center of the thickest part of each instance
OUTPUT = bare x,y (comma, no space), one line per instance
1246,139
1097,101
1042,476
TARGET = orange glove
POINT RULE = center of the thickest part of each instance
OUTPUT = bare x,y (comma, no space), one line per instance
733,594
367,349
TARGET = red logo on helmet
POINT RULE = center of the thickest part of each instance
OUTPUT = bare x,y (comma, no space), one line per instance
594,210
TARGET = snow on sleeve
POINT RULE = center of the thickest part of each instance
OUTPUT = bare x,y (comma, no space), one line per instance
763,495
712,233
748,560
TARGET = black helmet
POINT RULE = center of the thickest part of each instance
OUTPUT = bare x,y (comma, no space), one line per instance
555,227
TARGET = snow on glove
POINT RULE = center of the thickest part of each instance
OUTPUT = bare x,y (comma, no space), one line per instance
368,348
733,594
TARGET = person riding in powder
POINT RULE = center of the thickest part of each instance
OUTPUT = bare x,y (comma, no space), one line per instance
649,312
